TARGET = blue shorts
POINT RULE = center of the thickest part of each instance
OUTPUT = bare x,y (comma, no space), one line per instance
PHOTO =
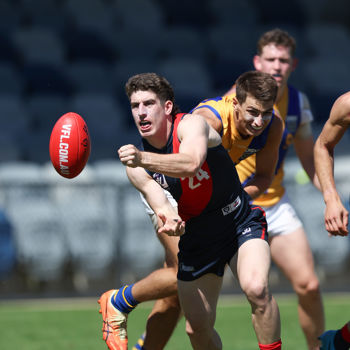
205,250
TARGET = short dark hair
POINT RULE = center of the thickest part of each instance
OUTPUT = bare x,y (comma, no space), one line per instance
279,37
154,82
261,86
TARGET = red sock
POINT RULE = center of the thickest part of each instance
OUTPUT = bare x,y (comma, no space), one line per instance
277,345
345,333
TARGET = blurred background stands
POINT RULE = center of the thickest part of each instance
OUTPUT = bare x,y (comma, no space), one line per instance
58,56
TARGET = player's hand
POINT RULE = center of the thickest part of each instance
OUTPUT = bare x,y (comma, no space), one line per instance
130,155
336,219
171,226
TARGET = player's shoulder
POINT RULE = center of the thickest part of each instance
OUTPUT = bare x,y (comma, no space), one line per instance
216,100
188,120
340,112
344,100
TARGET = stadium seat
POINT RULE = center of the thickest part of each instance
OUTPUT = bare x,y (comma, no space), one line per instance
10,17
131,14
335,39
89,44
142,257
44,110
328,75
334,12
10,150
8,52
245,13
35,45
125,68
46,15
91,17
60,186
90,77
291,12
183,12
20,181
11,81
20,172
14,117
229,55
35,145
223,44
111,170
183,42
313,9
91,235
19,130
90,232
111,173
225,71
46,79
78,8
39,239
38,230
131,44
190,80
105,120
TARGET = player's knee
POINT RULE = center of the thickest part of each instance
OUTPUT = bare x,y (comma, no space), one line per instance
308,287
257,293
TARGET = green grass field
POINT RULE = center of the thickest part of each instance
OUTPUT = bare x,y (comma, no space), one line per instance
75,324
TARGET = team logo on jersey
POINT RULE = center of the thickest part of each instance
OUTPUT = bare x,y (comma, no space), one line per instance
247,230
160,179
232,206
292,123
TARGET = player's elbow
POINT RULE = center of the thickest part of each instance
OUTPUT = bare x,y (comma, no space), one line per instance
193,169
193,165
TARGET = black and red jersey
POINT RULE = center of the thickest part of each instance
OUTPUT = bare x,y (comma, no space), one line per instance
215,187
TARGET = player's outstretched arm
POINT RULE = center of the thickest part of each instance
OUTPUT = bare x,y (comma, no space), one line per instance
336,215
173,225
194,135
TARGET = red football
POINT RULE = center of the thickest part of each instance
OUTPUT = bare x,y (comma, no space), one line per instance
70,145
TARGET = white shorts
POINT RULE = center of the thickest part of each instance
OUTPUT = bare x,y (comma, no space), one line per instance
151,213
282,218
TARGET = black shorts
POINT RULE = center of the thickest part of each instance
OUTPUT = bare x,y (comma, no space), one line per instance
205,250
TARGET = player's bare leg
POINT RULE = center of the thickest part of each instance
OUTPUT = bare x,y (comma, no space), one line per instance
198,300
161,322
158,284
292,254
253,264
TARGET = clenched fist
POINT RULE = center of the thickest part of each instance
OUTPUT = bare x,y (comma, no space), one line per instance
130,155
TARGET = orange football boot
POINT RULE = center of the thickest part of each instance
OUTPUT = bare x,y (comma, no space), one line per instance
114,323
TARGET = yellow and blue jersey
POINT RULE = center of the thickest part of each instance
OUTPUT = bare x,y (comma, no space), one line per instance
238,147
294,110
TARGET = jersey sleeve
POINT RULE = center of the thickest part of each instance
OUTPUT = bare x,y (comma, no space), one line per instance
214,105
